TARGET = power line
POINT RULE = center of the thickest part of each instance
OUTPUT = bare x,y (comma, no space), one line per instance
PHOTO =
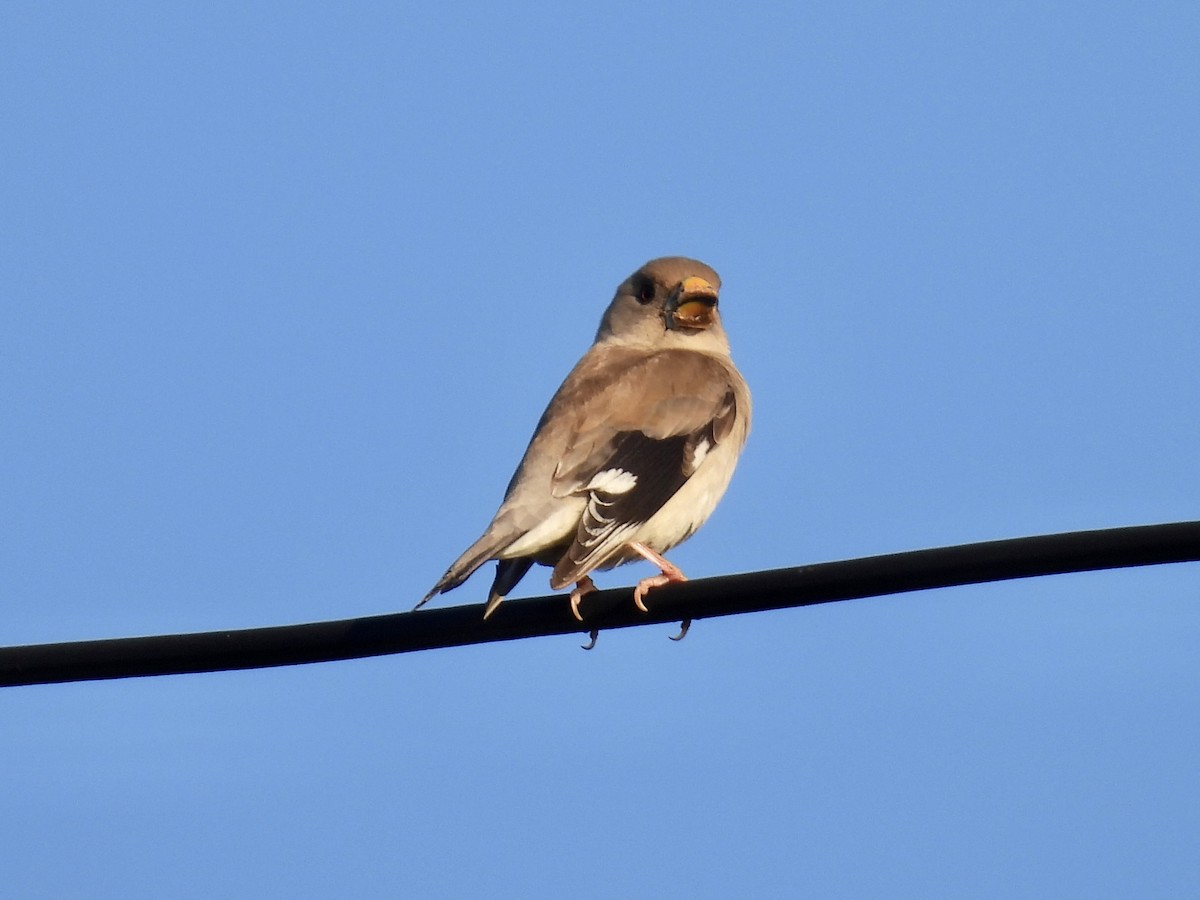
727,595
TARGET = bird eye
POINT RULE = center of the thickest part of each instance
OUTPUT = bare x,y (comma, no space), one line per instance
645,292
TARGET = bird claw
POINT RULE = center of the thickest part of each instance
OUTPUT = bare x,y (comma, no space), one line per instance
669,574
595,633
683,630
644,586
640,591
583,587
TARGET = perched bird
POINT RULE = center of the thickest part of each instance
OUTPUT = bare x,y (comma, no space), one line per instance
635,448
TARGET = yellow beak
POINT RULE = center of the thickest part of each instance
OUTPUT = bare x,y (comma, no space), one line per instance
693,305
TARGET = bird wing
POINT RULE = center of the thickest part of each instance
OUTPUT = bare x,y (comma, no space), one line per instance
642,427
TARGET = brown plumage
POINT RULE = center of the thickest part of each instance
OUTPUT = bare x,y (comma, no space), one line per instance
635,448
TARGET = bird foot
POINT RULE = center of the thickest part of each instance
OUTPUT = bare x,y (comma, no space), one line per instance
592,635
644,586
670,574
583,587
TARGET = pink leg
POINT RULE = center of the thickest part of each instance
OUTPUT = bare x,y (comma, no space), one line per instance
583,587
669,574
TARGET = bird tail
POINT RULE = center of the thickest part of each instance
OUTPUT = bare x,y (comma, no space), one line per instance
508,573
487,547
460,570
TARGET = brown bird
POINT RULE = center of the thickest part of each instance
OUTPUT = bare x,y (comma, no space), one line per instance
635,449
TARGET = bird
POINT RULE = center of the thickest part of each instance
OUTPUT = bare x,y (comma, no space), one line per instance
634,450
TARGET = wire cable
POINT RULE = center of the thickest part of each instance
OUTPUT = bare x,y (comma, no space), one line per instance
726,595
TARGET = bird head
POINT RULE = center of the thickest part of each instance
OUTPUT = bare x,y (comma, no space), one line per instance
667,302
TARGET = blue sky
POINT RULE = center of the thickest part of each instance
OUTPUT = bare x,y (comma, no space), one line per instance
286,287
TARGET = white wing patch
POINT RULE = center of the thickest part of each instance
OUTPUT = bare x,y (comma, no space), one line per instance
700,451
612,481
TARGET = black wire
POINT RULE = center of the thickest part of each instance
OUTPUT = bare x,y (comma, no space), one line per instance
724,596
